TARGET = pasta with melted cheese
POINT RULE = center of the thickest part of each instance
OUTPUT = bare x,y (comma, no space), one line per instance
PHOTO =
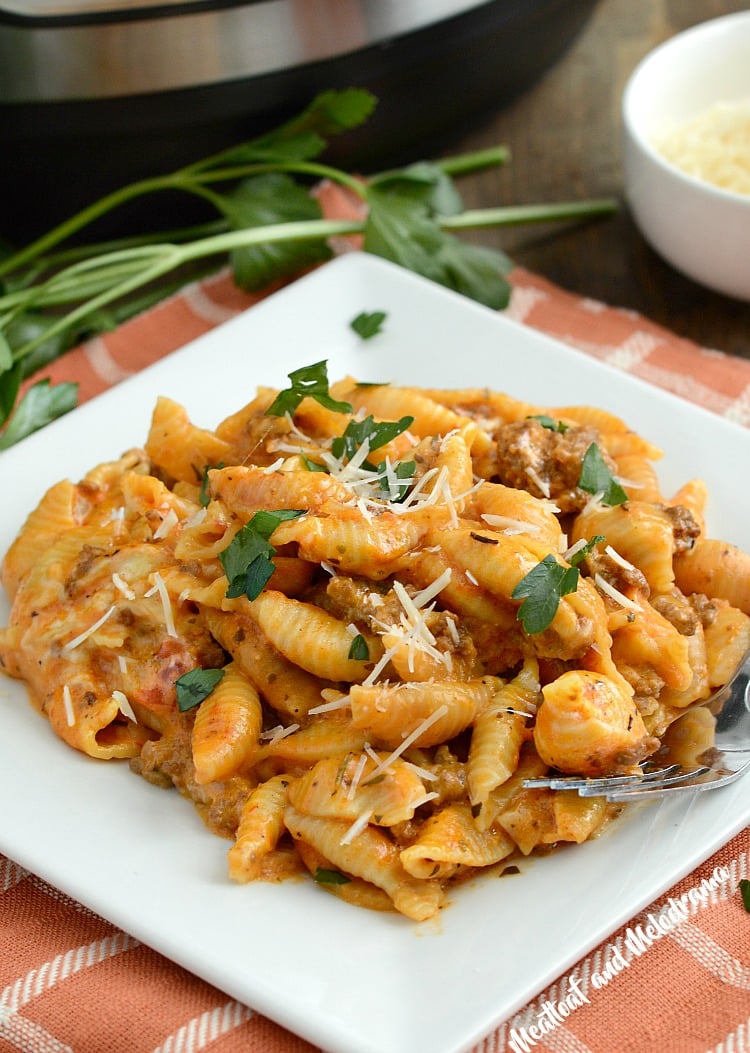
349,630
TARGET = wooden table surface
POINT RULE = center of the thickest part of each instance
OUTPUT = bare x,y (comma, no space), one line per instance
565,137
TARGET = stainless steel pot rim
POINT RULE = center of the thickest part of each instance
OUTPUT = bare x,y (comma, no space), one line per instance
59,50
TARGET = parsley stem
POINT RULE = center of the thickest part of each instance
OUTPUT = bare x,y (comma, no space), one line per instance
465,164
179,234
111,276
81,219
159,260
515,215
183,180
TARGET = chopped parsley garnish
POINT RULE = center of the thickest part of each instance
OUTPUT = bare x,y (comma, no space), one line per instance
596,478
545,585
359,650
578,557
247,559
403,470
312,466
196,685
744,887
324,876
203,496
307,382
376,434
541,591
368,323
549,422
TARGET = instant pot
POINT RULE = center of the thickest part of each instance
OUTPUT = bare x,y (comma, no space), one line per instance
97,93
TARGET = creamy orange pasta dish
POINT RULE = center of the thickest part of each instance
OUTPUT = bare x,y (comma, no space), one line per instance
352,620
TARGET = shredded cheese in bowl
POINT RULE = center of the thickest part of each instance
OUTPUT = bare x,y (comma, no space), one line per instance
713,146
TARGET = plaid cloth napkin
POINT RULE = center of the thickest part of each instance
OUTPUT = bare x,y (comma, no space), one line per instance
70,981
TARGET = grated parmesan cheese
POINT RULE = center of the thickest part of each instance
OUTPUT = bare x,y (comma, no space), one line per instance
575,549
615,594
412,737
357,827
68,704
412,629
271,468
122,585
123,704
615,555
77,640
168,523
536,478
424,799
594,502
508,525
329,707
160,588
713,146
274,735
356,777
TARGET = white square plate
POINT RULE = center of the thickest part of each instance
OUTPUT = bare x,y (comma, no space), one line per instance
346,979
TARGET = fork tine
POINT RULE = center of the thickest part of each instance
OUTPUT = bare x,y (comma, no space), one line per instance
595,786
651,783
696,780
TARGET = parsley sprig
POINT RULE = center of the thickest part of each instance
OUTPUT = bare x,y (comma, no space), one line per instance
550,423
375,433
247,560
196,685
404,472
307,382
368,324
596,478
62,288
358,650
545,585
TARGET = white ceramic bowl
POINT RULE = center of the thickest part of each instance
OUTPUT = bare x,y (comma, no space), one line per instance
702,230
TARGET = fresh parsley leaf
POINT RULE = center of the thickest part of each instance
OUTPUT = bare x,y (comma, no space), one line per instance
307,382
42,403
272,197
203,496
404,470
6,355
424,182
247,558
578,557
312,466
359,650
475,271
304,136
264,523
330,113
549,422
376,434
324,876
541,591
10,381
196,685
258,574
744,887
596,478
368,323
401,230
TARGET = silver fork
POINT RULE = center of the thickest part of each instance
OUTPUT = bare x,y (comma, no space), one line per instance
725,761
